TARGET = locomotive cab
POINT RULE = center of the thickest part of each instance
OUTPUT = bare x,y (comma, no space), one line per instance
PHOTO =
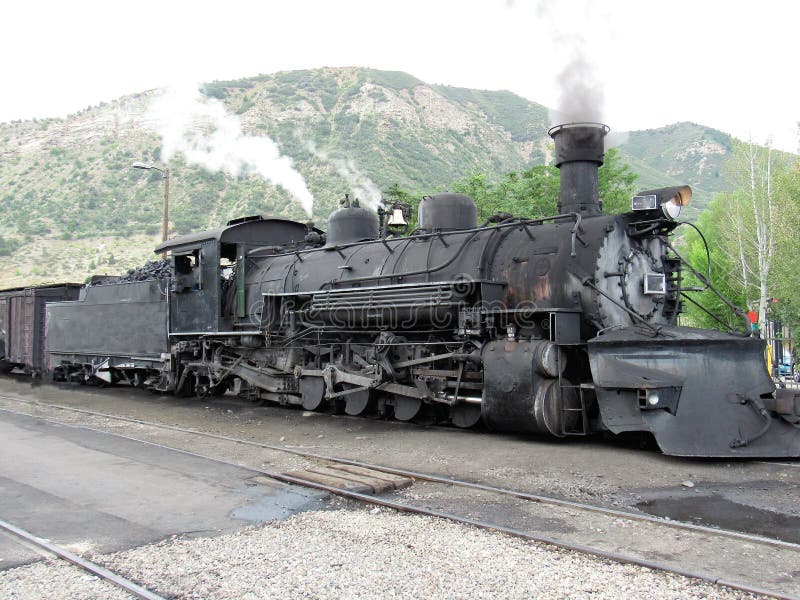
209,266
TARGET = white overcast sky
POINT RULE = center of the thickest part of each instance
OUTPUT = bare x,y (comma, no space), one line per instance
728,64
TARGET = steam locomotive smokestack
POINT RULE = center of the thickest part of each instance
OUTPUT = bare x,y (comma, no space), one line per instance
579,153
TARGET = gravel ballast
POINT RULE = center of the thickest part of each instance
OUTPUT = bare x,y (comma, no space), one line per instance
358,553
55,578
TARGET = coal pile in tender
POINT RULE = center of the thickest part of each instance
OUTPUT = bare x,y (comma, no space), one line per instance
155,269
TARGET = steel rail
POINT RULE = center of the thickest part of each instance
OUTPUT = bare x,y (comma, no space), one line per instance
117,580
420,510
538,498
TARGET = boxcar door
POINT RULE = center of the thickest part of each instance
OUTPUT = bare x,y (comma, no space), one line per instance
20,345
3,325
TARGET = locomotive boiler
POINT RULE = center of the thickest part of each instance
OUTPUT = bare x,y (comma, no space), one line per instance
558,326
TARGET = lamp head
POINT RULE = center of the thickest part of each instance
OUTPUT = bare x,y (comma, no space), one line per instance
669,201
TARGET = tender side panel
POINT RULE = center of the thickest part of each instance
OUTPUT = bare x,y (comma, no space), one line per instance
120,319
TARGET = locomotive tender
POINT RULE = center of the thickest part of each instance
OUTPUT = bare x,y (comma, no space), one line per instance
558,326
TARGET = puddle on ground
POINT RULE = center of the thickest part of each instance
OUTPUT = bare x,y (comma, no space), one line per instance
716,511
279,503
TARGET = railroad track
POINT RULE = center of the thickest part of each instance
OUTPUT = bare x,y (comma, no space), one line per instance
402,504
420,476
46,548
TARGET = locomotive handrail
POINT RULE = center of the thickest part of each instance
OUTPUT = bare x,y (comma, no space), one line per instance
576,217
490,248
736,310
588,282
394,286
708,312
380,276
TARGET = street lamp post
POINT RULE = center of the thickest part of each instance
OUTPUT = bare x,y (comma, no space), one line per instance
165,173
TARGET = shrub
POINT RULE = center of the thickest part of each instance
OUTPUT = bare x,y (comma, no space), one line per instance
7,247
247,104
328,100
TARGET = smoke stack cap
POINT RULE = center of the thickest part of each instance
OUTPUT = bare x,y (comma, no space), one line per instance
579,142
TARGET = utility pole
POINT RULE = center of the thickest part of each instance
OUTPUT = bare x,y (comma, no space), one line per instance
165,222
165,175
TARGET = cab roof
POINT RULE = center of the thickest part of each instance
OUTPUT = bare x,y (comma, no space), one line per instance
257,230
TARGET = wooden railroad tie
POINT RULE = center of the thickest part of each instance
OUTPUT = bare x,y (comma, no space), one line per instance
353,479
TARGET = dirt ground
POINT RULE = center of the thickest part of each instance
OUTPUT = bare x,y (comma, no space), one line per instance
604,471
751,496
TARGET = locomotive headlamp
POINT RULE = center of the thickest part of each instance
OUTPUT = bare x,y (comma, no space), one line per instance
670,200
664,398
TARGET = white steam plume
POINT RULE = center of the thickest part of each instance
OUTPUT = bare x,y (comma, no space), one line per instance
205,132
361,186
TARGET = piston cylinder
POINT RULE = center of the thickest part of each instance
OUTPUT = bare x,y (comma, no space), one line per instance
517,397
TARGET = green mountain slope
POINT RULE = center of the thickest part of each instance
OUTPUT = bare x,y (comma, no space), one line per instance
72,204
683,153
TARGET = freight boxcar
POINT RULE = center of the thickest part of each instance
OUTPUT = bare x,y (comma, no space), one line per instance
22,324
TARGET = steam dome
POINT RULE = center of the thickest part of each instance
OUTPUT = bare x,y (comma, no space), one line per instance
351,224
447,212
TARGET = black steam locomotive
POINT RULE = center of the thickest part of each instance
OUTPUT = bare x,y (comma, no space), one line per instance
558,326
